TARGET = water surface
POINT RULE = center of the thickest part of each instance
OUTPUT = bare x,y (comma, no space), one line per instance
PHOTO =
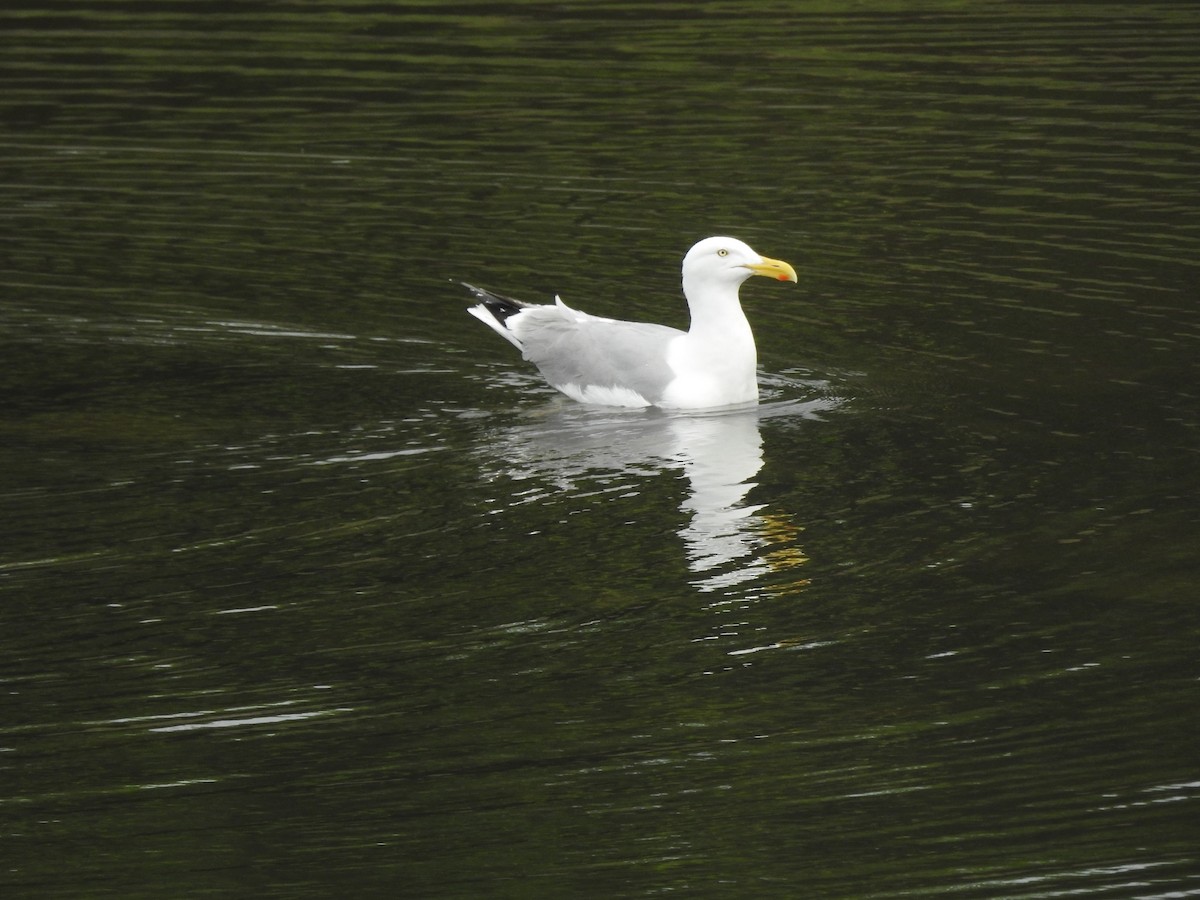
309,585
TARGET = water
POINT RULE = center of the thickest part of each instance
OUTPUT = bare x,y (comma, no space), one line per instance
310,586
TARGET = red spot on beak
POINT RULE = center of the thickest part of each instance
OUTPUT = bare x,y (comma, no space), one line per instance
782,277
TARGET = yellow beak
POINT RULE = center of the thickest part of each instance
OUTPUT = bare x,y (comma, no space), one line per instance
773,268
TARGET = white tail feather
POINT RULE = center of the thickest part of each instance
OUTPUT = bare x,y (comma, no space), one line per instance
481,313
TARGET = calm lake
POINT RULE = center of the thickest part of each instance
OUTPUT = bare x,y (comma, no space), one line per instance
310,586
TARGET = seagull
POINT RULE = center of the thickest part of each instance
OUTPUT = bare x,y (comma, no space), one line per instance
635,364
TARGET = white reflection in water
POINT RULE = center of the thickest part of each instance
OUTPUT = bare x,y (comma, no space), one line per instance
720,456
588,451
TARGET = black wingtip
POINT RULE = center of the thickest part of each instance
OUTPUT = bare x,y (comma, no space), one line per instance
497,304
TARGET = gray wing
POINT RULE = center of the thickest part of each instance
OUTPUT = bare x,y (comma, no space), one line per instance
570,347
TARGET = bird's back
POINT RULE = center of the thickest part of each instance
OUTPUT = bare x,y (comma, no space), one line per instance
580,353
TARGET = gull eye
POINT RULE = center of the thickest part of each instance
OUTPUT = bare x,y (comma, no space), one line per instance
722,252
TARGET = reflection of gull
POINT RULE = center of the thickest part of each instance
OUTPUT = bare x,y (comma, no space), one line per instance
720,455
718,452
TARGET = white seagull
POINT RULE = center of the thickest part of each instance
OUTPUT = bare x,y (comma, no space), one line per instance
615,363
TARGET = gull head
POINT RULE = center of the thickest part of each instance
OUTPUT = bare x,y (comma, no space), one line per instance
727,260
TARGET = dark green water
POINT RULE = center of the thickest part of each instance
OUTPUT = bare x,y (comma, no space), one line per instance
308,587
